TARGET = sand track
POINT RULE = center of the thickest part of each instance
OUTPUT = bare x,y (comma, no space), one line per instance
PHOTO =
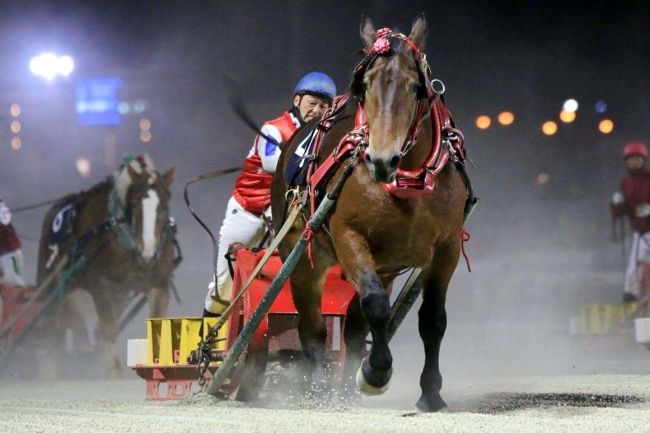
594,403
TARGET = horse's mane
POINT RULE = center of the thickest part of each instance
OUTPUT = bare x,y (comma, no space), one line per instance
122,180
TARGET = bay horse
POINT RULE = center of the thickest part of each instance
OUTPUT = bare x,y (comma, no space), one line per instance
377,230
122,228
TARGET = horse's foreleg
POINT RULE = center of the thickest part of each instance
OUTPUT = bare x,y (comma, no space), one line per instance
354,254
109,304
159,301
306,288
432,325
82,307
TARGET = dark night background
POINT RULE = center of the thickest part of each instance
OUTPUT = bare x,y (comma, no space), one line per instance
522,56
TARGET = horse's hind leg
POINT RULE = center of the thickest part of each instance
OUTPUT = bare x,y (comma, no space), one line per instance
306,288
354,333
376,368
432,325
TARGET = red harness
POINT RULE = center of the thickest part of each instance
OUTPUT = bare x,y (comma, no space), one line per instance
407,183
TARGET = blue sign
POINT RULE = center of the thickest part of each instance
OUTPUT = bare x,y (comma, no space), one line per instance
96,101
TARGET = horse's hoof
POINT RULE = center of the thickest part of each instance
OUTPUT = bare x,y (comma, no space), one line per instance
433,403
370,382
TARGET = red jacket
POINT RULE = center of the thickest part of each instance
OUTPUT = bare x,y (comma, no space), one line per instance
636,191
8,240
253,186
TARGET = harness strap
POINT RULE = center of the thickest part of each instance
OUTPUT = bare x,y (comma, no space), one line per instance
101,228
465,237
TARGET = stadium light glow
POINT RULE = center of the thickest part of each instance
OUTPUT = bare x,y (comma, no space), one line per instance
15,126
600,106
14,110
16,143
570,105
483,122
549,127
506,118
49,65
83,166
567,116
606,126
542,178
145,124
145,136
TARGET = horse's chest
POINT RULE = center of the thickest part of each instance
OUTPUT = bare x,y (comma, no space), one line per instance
405,237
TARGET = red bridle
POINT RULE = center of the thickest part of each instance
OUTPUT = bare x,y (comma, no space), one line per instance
381,47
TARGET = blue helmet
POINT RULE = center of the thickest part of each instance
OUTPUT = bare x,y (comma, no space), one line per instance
316,83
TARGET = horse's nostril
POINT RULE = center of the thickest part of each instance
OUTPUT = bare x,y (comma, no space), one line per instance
394,161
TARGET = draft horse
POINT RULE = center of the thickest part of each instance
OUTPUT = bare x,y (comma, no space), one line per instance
402,207
122,228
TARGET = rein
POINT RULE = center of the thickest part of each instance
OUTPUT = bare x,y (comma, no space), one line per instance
215,244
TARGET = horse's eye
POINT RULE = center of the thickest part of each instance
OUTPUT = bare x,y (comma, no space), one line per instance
415,88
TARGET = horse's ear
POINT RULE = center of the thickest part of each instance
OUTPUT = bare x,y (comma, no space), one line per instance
168,176
419,31
367,31
134,175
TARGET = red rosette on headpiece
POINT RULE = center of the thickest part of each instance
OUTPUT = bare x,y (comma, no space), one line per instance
381,46
382,33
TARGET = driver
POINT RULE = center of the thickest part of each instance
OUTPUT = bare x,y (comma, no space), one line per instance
11,253
633,200
251,198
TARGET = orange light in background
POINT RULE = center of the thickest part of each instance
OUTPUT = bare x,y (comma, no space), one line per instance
606,126
83,166
483,122
549,128
506,118
14,110
567,116
145,124
16,143
15,126
145,136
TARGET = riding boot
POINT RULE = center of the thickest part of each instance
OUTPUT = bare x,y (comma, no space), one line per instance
207,313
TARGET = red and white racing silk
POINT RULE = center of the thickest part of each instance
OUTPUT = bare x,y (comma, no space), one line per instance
253,186
636,193
9,242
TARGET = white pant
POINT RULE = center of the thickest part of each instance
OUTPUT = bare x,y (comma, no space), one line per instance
11,265
640,253
239,225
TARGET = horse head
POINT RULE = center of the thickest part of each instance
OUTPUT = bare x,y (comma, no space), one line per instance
391,84
146,205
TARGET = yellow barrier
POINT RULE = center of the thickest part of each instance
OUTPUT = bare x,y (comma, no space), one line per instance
170,340
600,319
